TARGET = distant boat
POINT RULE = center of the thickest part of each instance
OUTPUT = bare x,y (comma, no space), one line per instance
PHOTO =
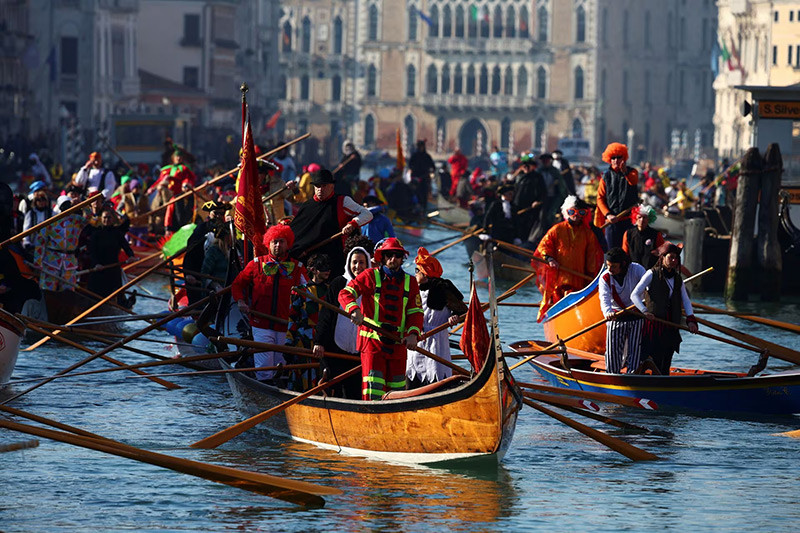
452,214
11,332
574,312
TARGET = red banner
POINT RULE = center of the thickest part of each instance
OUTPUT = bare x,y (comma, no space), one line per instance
475,337
248,214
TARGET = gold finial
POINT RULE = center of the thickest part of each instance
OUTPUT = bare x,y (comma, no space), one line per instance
244,88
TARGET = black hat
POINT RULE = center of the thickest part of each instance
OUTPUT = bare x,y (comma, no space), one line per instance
545,155
371,200
322,176
213,205
505,188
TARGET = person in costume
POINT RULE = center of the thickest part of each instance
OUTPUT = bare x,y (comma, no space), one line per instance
623,332
172,177
442,303
390,299
380,227
641,241
105,243
194,258
530,194
667,297
570,244
421,165
323,216
502,221
265,285
618,191
57,248
458,170
93,176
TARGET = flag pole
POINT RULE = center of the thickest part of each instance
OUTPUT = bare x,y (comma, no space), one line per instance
244,88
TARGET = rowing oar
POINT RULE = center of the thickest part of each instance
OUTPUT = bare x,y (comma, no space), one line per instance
227,434
519,304
752,318
484,306
99,268
299,366
600,418
54,218
195,274
561,401
143,242
618,445
113,319
15,446
294,350
113,294
111,360
297,492
641,403
776,350
141,260
322,243
269,197
214,180
464,237
140,333
618,218
388,334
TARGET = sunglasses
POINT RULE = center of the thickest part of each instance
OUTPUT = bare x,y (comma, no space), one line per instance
617,157
572,212
389,255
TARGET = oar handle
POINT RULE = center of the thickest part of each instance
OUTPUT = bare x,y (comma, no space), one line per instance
322,243
619,217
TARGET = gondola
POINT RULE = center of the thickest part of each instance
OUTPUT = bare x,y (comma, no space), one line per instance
682,389
11,332
452,214
63,306
574,312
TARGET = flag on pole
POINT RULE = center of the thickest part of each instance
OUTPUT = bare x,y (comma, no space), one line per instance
423,16
401,160
726,55
273,120
248,213
475,338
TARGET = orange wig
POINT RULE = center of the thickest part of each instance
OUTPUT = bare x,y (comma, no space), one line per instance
615,149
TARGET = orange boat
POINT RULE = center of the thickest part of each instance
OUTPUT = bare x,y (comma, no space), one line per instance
574,312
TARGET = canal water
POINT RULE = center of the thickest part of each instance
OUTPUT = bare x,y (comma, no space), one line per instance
715,473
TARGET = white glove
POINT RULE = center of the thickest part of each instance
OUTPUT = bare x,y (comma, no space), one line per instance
484,237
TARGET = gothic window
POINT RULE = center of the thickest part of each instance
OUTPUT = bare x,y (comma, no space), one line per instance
411,131
459,21
541,83
522,82
511,26
412,23
483,80
338,36
411,81
505,133
372,32
306,37
447,22
508,86
287,37
580,25
472,22
445,89
470,80
498,22
431,80
458,81
538,133
543,23
305,87
523,23
578,83
369,130
372,81
496,80
484,15
577,129
336,88
433,29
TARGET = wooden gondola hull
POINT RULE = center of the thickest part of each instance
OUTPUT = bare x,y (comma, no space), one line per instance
11,332
573,313
474,419
63,306
683,389
452,214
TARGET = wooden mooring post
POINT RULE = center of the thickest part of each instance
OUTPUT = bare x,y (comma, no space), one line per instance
758,177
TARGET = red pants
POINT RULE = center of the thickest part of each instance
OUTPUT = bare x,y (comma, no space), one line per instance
383,368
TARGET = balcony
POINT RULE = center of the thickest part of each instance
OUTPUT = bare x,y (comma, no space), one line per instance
477,101
119,5
296,107
436,45
335,108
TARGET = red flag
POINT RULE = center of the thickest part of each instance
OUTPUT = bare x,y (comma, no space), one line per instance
401,161
248,214
273,120
475,338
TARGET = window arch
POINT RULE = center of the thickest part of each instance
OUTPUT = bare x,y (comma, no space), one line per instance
372,31
305,45
447,22
287,37
458,80
505,133
483,80
372,81
433,28
431,81
523,23
459,32
511,26
472,23
508,85
522,82
369,130
336,88
485,25
338,35
498,22
305,87
496,80
580,24
541,83
470,80
413,17
538,134
282,87
445,88
577,129
409,124
411,81
578,83
441,133
543,17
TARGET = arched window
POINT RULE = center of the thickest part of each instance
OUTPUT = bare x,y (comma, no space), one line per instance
306,37
484,15
411,132
413,17
483,80
524,32
511,26
411,81
538,134
542,15
447,22
505,133
433,29
496,80
459,21
472,22
580,25
458,81
369,130
338,35
445,88
372,81
336,88
498,22
578,83
430,82
470,80
372,31
522,82
287,37
541,83
508,85
577,129
282,87
305,87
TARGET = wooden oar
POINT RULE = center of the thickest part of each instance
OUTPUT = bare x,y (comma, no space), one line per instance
320,244
776,350
68,342
620,217
299,366
484,306
297,492
618,445
294,350
559,267
54,218
641,403
195,274
795,434
510,292
269,197
605,419
388,334
119,343
113,294
52,423
752,318
519,304
138,262
561,401
227,434
15,446
458,240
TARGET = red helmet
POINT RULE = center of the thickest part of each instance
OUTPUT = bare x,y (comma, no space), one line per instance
391,244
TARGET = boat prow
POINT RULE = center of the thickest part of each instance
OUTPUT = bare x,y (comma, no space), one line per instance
574,312
11,331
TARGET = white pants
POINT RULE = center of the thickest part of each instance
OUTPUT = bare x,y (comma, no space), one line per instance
268,358
619,336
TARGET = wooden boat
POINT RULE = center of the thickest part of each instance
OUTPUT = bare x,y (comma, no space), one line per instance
500,258
573,313
11,332
63,306
683,388
452,214
460,418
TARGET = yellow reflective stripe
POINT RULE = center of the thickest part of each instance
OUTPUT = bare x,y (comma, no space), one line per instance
397,384
406,288
351,290
373,379
414,328
414,310
369,334
377,296
349,307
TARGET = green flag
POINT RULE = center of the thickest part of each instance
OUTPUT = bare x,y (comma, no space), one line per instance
178,241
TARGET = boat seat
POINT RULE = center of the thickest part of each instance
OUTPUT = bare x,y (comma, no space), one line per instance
427,389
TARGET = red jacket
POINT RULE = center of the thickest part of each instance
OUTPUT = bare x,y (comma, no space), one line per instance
392,303
173,176
267,289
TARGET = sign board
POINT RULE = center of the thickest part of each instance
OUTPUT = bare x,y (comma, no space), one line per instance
574,149
778,109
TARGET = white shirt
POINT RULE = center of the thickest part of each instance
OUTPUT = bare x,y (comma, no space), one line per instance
637,296
421,366
607,302
91,178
